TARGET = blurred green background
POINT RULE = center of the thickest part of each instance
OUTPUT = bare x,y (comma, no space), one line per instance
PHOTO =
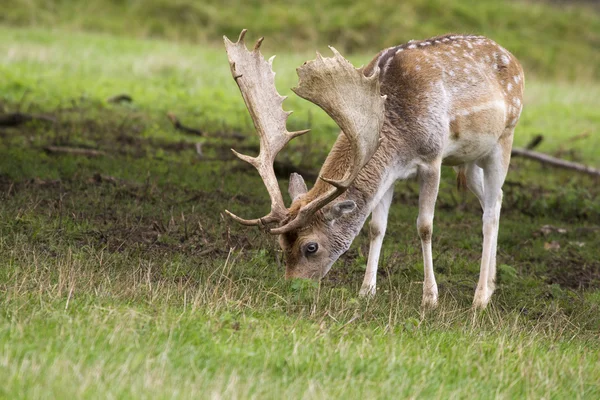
553,39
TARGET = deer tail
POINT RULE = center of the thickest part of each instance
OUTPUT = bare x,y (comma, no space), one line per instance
461,178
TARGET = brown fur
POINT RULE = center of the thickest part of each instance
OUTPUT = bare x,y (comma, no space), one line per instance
442,103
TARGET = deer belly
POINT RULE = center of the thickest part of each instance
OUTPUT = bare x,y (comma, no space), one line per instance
468,149
474,133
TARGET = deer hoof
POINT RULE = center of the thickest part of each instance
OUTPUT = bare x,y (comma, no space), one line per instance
367,291
482,298
430,299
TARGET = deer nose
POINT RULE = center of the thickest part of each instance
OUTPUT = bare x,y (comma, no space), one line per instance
289,274
295,274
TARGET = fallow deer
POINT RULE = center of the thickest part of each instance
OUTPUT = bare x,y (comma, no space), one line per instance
450,100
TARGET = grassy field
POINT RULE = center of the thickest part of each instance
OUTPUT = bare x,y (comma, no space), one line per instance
120,276
556,40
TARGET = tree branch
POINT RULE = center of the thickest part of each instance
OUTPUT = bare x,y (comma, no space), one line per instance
16,119
74,151
179,126
555,162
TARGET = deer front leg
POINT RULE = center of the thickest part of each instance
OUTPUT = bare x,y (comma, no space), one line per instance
377,227
429,180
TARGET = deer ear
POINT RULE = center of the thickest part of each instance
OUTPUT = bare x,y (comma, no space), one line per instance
297,186
339,209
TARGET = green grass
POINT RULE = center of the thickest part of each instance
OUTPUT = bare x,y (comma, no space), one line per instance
555,40
120,276
194,82
246,339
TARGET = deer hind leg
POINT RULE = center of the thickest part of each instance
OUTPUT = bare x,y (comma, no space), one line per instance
473,179
377,227
429,181
474,176
495,167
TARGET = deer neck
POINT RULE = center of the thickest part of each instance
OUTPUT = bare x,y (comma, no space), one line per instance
373,181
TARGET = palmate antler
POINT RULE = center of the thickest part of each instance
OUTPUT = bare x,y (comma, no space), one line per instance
256,80
344,92
354,102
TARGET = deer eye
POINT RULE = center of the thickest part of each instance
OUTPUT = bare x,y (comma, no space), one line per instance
312,248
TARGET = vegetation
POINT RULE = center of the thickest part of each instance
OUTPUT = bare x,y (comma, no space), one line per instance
557,40
121,277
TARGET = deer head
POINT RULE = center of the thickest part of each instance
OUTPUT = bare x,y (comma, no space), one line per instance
319,225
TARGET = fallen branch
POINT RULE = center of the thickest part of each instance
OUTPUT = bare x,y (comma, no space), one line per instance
74,151
179,126
99,178
120,98
16,119
555,162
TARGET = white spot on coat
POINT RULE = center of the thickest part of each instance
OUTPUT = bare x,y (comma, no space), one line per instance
481,107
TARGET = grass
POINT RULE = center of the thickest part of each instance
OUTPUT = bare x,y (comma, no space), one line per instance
191,81
546,37
234,339
120,276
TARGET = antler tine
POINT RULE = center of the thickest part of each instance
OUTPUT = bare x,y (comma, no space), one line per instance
257,46
354,102
241,37
265,221
256,80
